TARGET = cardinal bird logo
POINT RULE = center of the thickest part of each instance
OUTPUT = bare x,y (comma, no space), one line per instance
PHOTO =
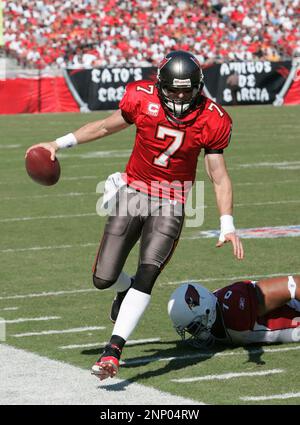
192,297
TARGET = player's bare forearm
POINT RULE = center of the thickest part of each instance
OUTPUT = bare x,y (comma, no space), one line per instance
98,129
275,292
89,132
217,172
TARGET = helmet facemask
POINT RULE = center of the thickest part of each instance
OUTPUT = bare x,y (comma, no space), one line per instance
197,334
179,100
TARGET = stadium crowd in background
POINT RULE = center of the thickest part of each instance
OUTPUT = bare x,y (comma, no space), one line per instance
86,33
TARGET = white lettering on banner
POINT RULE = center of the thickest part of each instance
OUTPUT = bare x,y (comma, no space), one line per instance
110,94
247,80
115,75
245,67
227,96
253,94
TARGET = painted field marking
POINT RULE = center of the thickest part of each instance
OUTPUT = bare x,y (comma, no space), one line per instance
271,397
230,375
211,354
102,344
30,319
56,195
267,183
224,278
277,165
80,291
9,309
65,384
254,233
48,294
42,248
62,216
46,217
98,154
62,331
10,146
71,178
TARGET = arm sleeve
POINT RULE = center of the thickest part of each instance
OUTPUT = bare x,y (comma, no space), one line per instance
130,104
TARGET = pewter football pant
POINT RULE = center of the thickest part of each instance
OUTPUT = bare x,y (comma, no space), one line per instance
156,222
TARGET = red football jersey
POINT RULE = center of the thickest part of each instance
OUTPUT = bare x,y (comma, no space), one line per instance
239,306
164,157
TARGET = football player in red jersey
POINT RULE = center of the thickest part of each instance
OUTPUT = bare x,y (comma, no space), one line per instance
266,311
174,122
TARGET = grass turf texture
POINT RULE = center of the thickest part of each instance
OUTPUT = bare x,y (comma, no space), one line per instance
263,162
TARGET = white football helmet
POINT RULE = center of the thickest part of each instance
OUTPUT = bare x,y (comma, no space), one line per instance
193,309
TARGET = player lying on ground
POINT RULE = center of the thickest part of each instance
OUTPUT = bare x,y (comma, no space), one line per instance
241,313
174,122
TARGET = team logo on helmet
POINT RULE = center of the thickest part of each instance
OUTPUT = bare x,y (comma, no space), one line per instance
192,297
163,62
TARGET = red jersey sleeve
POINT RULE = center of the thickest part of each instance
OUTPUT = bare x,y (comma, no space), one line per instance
130,104
218,129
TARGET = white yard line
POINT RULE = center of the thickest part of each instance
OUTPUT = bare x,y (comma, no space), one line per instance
258,204
79,178
102,344
29,319
98,154
9,309
46,217
206,355
58,332
266,183
42,381
82,291
271,397
62,216
49,195
10,146
51,247
230,375
229,278
48,294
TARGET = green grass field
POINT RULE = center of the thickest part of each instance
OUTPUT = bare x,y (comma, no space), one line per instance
50,235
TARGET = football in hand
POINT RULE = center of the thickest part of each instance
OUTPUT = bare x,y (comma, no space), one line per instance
41,168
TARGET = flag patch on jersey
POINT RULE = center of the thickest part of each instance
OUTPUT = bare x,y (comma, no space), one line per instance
258,232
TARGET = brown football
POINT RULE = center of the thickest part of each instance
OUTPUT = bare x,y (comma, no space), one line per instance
40,167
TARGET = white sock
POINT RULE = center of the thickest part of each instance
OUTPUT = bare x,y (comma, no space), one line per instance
132,309
122,284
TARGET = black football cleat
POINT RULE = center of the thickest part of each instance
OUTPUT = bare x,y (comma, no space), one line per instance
116,304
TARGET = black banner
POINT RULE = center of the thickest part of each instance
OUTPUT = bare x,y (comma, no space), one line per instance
246,83
231,83
103,88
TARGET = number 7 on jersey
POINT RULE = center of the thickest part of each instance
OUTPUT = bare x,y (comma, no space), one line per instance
178,136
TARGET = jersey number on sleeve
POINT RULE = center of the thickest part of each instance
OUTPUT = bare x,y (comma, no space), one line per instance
178,136
213,105
149,90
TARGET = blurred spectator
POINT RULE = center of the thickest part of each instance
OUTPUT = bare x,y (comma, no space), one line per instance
87,33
